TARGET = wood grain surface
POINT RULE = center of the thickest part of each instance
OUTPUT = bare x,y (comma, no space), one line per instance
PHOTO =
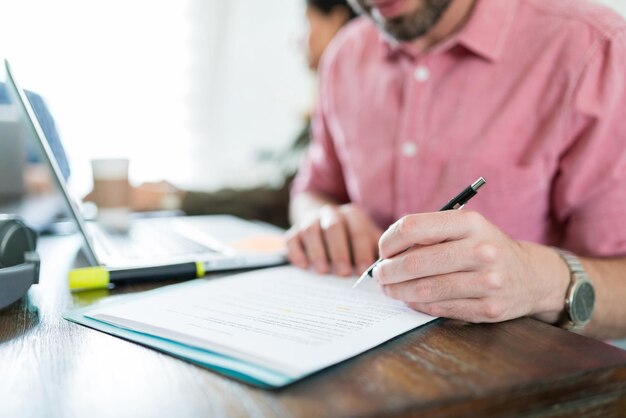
50,367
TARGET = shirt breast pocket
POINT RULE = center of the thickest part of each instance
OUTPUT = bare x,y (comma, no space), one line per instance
515,198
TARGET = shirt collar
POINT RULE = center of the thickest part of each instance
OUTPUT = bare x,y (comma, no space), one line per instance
484,33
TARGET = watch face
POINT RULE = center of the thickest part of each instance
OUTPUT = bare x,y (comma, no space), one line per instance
582,303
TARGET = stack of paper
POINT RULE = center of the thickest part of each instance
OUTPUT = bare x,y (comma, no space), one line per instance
268,327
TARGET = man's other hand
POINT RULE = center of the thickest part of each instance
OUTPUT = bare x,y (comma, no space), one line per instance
336,238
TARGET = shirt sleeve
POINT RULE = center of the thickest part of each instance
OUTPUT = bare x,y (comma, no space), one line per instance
590,188
321,170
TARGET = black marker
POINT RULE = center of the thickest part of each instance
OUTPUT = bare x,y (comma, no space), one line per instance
100,277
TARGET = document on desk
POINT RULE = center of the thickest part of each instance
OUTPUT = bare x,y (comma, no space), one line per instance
286,321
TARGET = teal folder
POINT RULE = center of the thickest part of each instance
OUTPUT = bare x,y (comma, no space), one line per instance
229,366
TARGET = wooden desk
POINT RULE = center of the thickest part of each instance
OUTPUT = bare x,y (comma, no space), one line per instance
51,367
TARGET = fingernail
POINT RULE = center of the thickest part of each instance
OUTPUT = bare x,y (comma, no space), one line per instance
298,262
320,267
343,269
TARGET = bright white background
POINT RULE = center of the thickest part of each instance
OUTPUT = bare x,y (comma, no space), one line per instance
191,90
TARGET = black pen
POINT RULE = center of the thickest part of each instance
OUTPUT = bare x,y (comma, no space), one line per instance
455,203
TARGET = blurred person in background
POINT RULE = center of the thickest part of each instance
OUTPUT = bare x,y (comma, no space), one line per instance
264,203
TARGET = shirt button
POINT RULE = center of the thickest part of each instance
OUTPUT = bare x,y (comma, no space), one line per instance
421,73
409,149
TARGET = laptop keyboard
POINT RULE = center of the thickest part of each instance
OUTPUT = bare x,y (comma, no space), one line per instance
149,241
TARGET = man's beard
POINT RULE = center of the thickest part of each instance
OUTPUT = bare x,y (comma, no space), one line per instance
417,23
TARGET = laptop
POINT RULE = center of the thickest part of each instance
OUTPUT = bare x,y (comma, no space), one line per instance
221,242
12,154
38,209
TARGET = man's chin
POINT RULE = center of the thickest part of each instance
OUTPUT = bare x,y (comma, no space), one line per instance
413,25
401,31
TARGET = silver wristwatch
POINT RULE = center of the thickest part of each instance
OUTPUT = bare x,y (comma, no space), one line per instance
580,297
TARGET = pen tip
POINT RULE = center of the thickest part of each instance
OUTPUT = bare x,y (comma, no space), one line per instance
363,276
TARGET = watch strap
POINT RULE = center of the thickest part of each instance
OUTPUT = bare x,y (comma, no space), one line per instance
577,275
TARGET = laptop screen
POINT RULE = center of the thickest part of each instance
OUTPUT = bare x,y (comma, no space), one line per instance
12,152
59,169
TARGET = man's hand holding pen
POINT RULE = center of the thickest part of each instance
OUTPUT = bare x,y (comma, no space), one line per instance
461,266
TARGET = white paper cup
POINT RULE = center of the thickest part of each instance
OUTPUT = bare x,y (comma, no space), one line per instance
111,192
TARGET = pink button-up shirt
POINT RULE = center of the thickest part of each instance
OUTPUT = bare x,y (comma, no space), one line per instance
530,94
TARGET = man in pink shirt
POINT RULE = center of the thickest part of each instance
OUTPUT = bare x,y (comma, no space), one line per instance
420,98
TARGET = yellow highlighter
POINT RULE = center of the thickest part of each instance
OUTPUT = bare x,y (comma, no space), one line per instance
100,277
